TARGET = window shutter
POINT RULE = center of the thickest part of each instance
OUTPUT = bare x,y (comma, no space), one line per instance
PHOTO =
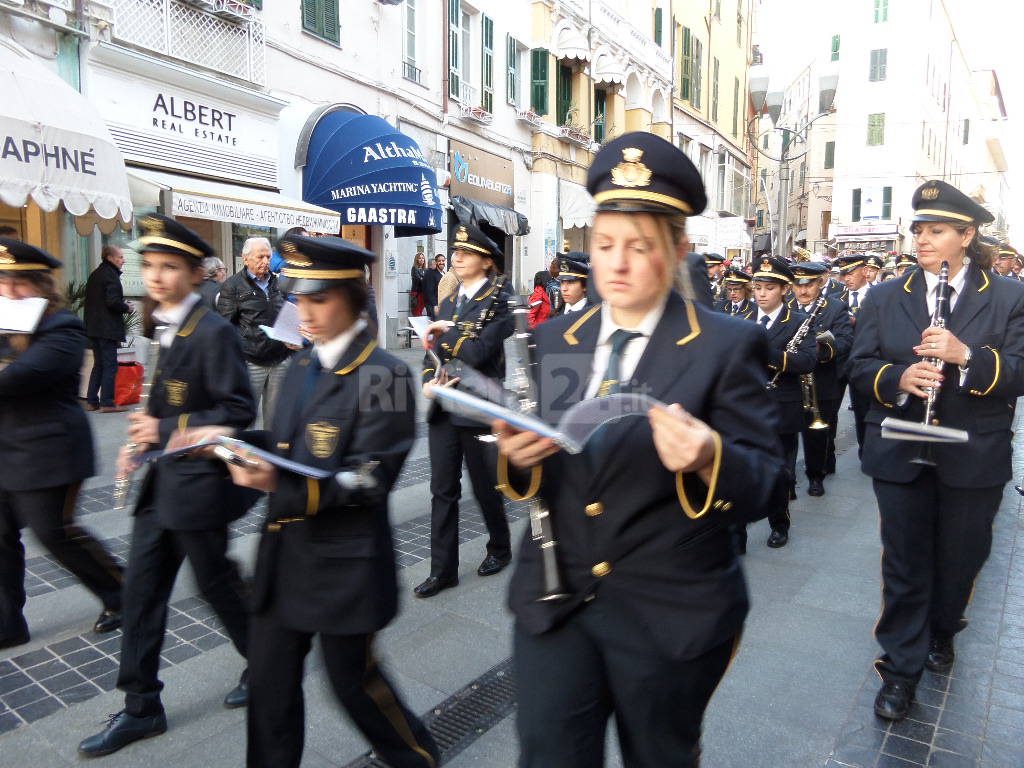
657,26
714,91
311,16
487,64
967,130
856,205
600,114
886,202
883,58
512,70
539,80
835,48
454,43
563,94
684,85
830,154
332,27
698,75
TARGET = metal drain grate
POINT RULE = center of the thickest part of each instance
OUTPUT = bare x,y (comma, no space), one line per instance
462,719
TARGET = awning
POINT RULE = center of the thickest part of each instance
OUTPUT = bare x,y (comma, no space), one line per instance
507,220
569,43
56,148
369,172
202,199
608,69
575,204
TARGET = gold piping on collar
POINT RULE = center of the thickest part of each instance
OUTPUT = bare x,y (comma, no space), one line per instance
359,360
906,285
487,293
570,335
987,281
691,316
193,321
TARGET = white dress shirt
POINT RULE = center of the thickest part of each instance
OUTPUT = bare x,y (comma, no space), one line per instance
577,307
330,352
956,287
630,355
860,293
172,317
774,315
469,291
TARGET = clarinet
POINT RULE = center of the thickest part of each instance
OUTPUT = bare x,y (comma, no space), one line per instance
522,384
123,483
794,343
938,320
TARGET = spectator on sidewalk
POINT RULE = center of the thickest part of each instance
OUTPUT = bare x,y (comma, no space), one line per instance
105,309
430,282
248,299
214,273
449,283
540,304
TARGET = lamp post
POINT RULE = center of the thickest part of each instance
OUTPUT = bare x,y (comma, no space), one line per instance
771,101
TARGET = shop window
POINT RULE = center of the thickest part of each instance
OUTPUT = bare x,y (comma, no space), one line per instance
320,18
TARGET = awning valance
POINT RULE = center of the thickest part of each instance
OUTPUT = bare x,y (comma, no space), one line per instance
371,173
569,43
507,220
202,199
576,206
608,69
55,147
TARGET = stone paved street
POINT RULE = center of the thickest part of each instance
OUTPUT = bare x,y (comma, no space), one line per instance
799,693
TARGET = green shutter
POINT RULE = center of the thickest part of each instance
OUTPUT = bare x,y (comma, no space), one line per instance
830,154
698,75
760,217
736,108
687,63
539,58
878,65
657,26
332,27
714,91
967,130
835,48
511,71
563,94
876,130
881,11
487,64
886,202
856,205
600,114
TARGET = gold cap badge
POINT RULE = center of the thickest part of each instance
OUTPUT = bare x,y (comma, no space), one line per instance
4,258
152,225
929,193
766,266
462,235
631,172
293,257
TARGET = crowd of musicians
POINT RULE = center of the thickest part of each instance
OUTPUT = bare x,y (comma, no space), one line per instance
628,592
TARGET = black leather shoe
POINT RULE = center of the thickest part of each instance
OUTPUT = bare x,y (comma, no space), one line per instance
492,565
777,539
239,695
432,585
107,621
815,487
940,654
893,700
122,729
792,493
14,640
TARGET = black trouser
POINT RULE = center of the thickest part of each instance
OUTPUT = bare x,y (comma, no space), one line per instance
104,372
778,518
277,712
833,429
448,446
818,446
571,679
860,403
49,512
935,539
153,564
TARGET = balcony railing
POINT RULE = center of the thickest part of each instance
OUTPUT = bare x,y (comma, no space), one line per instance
411,72
219,35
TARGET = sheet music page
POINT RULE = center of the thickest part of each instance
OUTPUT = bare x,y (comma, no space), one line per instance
286,327
21,315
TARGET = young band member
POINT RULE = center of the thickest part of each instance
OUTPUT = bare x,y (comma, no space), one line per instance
471,327
936,521
715,264
46,446
872,268
326,563
854,271
656,598
772,281
833,317
185,503
737,301
906,261
573,278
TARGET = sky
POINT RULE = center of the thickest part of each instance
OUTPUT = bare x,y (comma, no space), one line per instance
988,31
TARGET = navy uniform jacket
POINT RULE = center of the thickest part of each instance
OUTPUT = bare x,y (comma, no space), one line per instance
725,306
655,543
834,316
45,440
788,393
326,559
989,318
200,380
481,348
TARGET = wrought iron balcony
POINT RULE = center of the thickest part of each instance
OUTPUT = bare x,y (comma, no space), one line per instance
224,36
411,72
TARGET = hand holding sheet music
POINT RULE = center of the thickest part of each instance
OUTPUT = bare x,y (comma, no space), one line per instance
21,315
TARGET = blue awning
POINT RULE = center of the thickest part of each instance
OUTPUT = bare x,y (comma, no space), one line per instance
371,173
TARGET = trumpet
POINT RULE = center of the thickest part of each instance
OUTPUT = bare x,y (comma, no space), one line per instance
123,483
809,389
794,343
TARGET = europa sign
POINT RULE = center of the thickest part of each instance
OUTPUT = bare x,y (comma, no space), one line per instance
480,175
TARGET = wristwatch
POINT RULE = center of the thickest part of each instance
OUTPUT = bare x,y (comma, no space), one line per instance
967,360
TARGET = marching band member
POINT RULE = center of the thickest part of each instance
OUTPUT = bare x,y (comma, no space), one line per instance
185,503
656,595
936,521
834,317
853,268
46,444
772,281
573,278
715,264
471,326
326,562
906,261
738,291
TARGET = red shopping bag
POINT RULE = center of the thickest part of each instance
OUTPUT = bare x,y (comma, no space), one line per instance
128,384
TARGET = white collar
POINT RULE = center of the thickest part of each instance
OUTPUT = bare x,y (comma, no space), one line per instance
646,326
469,289
577,306
175,315
330,352
956,283
773,315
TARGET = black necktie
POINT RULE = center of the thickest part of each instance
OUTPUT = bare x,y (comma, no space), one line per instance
853,300
610,383
765,321
735,309
463,298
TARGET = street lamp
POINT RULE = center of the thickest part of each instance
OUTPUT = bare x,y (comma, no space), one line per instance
770,101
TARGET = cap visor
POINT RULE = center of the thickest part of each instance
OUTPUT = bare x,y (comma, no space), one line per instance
301,286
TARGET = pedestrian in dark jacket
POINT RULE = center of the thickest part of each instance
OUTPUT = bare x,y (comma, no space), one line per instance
105,309
215,273
248,299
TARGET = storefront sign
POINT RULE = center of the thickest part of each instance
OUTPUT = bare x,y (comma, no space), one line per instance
480,175
250,213
842,230
166,126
